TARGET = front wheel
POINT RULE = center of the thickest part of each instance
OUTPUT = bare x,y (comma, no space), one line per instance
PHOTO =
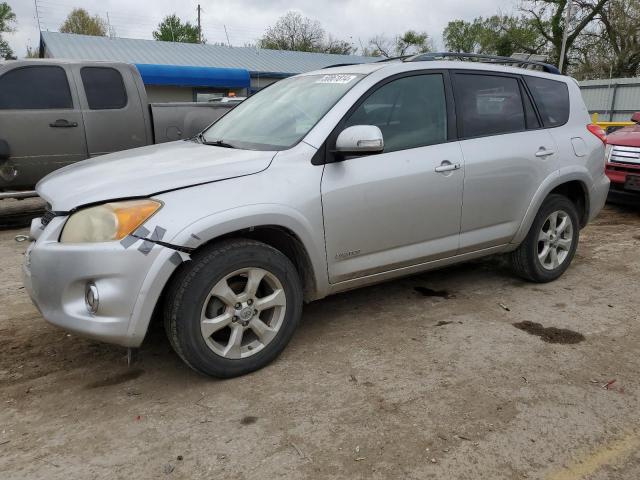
234,308
551,243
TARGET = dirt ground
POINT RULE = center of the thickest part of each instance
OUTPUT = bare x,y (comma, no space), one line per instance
425,377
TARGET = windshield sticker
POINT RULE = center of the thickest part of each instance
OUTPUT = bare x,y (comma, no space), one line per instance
336,78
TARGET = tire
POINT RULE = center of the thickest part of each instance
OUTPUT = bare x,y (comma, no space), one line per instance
202,318
526,260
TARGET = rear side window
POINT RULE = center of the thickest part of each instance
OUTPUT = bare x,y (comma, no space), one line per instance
552,99
410,111
104,88
488,104
35,88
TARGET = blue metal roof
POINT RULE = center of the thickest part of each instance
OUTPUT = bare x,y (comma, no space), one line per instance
189,76
258,61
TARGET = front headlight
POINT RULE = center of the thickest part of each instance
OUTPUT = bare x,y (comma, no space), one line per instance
110,221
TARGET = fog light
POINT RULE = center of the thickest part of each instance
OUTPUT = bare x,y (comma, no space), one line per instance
91,297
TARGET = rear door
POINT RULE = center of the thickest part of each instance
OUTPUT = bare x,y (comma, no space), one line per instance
41,122
112,109
400,207
506,152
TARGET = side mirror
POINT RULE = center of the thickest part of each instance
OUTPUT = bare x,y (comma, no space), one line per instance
360,140
635,117
5,153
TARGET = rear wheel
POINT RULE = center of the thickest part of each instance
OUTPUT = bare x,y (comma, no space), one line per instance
234,308
551,243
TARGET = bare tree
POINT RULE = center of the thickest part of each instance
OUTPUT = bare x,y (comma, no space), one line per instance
380,46
409,43
547,17
621,30
294,32
334,45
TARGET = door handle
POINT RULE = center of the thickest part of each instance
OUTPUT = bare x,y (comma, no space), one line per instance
62,123
447,166
543,152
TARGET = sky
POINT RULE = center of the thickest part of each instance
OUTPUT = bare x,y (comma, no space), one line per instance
246,20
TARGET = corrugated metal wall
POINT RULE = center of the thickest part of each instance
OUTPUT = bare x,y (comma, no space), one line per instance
614,100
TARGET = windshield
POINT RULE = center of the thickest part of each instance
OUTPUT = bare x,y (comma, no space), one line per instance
281,115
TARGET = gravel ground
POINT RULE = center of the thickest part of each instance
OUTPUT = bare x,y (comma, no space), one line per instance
425,377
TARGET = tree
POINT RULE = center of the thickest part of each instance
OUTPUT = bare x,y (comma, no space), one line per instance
293,31
7,19
621,30
409,43
32,52
79,21
380,46
340,47
548,18
611,45
171,29
461,37
501,35
412,42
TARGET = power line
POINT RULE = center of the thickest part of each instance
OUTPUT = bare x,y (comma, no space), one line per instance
52,13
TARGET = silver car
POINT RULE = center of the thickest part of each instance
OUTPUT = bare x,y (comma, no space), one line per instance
321,183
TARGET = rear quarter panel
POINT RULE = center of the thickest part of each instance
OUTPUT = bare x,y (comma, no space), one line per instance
579,157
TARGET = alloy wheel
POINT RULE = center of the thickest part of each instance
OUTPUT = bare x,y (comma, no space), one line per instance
555,240
243,313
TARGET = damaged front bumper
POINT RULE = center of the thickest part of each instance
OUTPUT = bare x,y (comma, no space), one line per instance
128,279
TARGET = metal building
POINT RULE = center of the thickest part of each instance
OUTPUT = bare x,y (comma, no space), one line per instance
613,100
191,72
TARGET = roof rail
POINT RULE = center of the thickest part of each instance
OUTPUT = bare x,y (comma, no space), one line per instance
391,59
340,65
510,61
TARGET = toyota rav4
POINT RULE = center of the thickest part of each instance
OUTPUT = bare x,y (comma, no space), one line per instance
321,183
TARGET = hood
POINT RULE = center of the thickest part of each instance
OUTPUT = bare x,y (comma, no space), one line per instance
625,137
144,171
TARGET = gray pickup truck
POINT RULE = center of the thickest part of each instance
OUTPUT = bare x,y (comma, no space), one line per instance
57,112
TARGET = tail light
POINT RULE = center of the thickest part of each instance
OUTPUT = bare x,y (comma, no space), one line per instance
598,131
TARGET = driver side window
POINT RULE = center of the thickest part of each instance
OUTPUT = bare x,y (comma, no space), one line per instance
410,111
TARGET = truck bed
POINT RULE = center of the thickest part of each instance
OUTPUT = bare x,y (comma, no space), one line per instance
177,120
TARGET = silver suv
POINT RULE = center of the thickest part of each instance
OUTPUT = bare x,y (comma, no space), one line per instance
321,183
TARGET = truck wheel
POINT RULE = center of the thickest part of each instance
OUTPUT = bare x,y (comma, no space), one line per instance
551,243
233,308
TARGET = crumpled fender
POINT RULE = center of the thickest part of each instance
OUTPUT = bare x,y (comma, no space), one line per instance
177,248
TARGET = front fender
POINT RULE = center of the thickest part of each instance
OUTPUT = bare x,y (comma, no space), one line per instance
257,215
214,226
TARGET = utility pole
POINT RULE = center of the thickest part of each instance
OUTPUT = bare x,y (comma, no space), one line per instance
109,26
227,35
567,19
199,27
35,2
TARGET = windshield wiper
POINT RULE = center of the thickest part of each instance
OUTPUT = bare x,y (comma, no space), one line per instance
216,143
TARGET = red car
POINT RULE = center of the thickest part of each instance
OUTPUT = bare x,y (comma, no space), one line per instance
623,161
